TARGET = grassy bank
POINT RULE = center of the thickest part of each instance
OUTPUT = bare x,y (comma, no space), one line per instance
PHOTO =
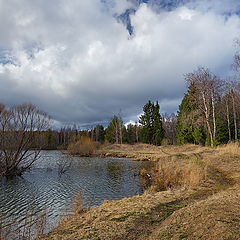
195,194
149,152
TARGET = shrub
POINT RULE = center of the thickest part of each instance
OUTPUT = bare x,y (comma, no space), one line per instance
83,147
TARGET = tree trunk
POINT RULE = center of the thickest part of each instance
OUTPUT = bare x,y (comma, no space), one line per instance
228,121
120,131
207,119
214,117
234,116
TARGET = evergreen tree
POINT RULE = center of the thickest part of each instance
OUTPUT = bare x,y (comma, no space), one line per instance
146,122
190,125
114,131
131,134
151,130
158,132
184,128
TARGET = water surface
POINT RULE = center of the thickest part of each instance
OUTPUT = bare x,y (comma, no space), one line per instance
44,189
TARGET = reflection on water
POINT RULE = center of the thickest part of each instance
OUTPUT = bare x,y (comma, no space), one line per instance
43,188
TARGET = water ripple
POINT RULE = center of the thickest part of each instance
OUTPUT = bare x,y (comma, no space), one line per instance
43,189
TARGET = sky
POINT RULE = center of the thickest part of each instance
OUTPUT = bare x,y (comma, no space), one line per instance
84,61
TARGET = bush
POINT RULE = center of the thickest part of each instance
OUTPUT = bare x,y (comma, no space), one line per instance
83,147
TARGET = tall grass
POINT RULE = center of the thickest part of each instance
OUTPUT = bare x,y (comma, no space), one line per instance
77,205
172,173
230,148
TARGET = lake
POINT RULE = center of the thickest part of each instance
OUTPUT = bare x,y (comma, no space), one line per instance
45,190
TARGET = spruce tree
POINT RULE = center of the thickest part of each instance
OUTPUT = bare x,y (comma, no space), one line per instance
190,126
131,135
146,122
151,124
158,132
184,128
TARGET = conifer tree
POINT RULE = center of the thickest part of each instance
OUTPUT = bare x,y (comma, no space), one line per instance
151,124
190,126
146,122
114,131
158,132
184,128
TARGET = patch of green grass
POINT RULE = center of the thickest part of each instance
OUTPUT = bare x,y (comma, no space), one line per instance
124,217
174,206
165,214
183,236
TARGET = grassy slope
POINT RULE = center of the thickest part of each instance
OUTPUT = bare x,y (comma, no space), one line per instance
209,210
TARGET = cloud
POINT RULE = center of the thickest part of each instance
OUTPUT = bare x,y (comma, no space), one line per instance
77,62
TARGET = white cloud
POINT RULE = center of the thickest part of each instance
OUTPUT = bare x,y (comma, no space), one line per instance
186,14
74,60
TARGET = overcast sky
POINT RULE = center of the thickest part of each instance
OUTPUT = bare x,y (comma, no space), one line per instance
77,61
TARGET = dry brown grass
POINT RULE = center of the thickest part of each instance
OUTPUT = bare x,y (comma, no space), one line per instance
171,173
149,152
77,205
83,147
216,218
231,148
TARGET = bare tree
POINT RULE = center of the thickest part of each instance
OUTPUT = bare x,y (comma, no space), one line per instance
136,132
64,164
20,130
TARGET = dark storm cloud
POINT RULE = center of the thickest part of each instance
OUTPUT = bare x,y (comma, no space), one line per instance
75,60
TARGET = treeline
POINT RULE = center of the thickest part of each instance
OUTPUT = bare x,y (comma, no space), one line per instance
151,128
209,112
